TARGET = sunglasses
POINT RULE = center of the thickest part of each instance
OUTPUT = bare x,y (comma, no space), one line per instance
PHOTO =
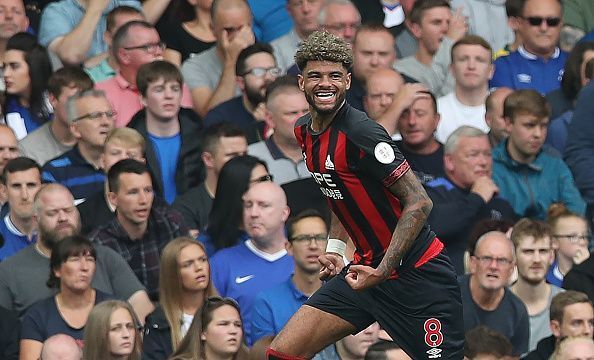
537,20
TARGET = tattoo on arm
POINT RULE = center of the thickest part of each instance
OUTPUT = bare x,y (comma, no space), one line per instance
416,208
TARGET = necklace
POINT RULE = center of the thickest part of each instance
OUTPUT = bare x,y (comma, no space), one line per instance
41,252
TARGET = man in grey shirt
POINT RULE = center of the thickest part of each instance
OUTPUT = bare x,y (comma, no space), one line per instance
211,74
23,277
54,138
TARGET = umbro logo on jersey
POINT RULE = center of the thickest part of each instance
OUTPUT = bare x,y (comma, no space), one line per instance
328,164
242,279
524,78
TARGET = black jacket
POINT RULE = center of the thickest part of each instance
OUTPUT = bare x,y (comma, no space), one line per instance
190,169
156,344
581,278
544,349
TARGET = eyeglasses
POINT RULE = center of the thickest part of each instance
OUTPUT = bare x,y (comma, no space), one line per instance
573,238
260,71
341,27
149,48
487,260
318,238
537,20
96,115
262,179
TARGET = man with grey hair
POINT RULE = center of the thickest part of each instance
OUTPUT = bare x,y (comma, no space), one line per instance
486,300
305,19
91,117
467,193
341,18
61,347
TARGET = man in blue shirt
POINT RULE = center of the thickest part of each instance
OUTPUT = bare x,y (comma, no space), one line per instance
21,179
538,63
308,234
172,133
261,262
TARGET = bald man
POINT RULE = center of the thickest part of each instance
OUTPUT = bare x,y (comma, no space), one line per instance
211,74
575,348
261,262
486,299
494,115
61,347
388,97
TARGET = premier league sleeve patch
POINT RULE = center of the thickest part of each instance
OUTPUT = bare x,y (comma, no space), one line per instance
384,153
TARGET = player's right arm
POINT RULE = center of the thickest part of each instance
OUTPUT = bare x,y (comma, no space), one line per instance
332,263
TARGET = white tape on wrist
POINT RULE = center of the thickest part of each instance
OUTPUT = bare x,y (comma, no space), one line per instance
336,246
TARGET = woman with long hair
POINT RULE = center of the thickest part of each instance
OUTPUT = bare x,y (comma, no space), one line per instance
570,239
184,286
224,227
72,267
112,332
27,69
191,32
215,334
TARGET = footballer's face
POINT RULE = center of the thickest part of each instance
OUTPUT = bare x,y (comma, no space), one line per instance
325,84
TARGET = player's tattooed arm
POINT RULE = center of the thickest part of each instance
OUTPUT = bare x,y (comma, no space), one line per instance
416,206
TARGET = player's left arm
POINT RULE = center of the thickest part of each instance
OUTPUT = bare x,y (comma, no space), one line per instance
416,206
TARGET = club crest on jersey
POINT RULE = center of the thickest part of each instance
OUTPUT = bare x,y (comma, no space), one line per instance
328,164
384,153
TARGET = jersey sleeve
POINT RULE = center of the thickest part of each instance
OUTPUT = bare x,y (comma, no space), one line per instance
381,158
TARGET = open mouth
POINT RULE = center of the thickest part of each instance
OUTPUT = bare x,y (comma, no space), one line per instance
325,96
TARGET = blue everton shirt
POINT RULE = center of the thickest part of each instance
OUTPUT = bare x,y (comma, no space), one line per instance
14,240
167,150
523,70
243,271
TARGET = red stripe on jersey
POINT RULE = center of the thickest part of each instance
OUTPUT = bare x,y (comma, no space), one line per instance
362,248
396,174
432,251
353,184
394,202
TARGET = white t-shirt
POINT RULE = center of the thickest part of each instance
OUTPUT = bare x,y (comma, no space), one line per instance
186,322
455,114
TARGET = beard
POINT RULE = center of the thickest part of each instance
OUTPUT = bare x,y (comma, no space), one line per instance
51,237
321,111
254,95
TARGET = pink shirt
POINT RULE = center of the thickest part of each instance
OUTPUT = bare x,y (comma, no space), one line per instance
125,98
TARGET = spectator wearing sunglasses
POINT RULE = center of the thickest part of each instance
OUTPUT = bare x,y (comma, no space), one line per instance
91,117
538,63
260,262
134,44
255,69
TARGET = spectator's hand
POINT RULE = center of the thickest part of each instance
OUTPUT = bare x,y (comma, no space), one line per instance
580,256
97,5
361,277
458,25
260,112
485,188
332,264
408,93
232,47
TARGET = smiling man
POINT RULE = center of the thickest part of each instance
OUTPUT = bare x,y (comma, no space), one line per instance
485,296
354,160
140,229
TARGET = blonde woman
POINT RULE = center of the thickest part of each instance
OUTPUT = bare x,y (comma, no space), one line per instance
184,285
112,332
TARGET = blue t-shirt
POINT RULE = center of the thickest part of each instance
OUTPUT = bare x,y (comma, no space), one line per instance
19,118
242,272
43,319
274,307
14,240
167,150
523,70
